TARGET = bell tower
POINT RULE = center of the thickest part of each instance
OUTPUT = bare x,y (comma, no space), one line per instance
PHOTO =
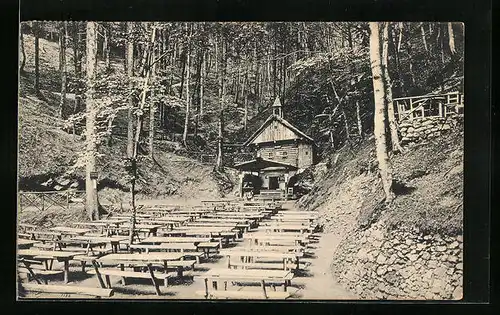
277,110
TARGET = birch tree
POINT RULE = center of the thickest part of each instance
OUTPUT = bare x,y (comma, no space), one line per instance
380,121
36,33
396,146
62,66
91,113
130,72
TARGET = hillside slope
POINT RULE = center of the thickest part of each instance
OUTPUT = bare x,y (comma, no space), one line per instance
410,249
47,153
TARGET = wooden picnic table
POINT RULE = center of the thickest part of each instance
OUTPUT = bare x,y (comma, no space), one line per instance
160,239
157,257
181,247
249,275
286,227
113,241
151,229
258,238
61,256
69,230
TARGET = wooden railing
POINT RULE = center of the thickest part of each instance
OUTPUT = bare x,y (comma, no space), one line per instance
440,105
43,200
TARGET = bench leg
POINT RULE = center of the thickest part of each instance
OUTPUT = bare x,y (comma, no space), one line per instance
122,268
108,281
84,264
98,274
66,271
153,279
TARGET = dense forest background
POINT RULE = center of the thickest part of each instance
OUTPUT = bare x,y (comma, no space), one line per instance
205,73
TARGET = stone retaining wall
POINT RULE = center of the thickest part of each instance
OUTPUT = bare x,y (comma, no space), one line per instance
402,264
427,127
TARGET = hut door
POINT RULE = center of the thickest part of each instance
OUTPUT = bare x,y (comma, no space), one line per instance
273,182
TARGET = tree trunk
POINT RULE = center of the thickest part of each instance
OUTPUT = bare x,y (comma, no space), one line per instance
36,33
188,98
106,50
451,38
424,41
23,53
138,130
220,152
396,146
245,100
358,117
152,107
62,66
77,60
91,113
202,83
380,123
130,74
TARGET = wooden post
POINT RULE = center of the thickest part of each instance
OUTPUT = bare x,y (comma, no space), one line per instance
206,288
263,285
98,274
153,279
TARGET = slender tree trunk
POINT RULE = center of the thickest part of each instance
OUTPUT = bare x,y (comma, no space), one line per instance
138,130
152,104
400,35
451,38
106,50
62,66
188,97
23,53
202,83
424,41
91,113
36,33
409,50
77,60
396,146
380,123
130,74
220,152
358,117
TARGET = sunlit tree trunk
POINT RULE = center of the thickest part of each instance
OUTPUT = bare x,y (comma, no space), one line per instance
188,97
36,33
396,146
220,152
77,61
451,38
358,117
152,104
130,74
62,66
91,113
380,121
106,50
424,41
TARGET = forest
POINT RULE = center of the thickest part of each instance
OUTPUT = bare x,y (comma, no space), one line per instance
204,87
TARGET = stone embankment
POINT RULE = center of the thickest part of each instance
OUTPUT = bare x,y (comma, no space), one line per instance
428,127
400,264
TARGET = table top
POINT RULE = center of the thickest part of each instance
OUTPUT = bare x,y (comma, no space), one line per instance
163,239
106,239
47,253
150,257
262,254
167,246
142,226
69,230
247,274
275,236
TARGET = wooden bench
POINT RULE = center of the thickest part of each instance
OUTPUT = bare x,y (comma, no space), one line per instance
66,289
225,294
107,272
268,265
38,272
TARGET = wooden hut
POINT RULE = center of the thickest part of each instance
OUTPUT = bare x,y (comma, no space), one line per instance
281,151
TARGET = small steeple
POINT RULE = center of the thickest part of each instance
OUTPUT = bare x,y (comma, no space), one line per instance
277,110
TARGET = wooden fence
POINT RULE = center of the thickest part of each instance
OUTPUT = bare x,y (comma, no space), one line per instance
441,105
43,200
